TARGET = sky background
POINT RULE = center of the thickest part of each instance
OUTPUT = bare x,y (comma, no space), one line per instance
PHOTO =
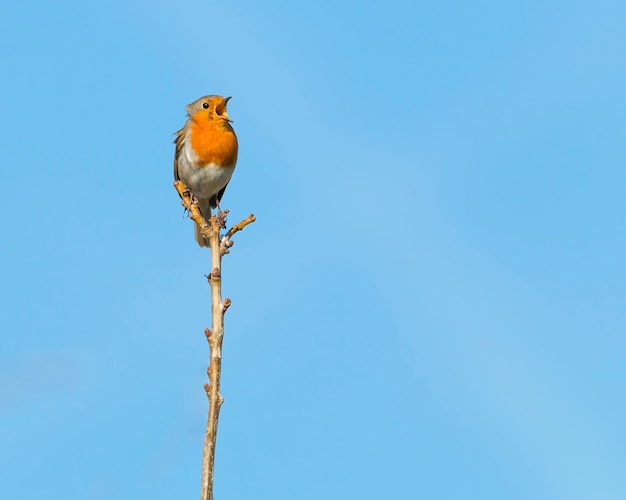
431,304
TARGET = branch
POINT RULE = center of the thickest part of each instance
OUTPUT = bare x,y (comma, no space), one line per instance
211,230
226,240
188,201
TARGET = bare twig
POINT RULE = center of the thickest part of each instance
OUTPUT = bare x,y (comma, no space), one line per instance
226,240
191,205
215,335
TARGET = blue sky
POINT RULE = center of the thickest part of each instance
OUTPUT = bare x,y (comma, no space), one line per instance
431,303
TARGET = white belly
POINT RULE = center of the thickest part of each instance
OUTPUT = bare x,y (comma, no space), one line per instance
204,181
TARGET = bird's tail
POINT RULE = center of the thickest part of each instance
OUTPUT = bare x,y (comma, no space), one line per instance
205,208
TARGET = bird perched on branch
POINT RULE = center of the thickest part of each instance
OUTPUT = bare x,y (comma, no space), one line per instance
206,154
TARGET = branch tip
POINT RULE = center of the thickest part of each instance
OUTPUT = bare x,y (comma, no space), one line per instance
239,227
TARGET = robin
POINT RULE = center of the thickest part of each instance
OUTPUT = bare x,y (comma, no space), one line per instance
206,154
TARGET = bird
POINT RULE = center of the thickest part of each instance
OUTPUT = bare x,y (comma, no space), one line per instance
206,154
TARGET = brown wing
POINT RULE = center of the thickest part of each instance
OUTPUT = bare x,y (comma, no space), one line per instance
179,141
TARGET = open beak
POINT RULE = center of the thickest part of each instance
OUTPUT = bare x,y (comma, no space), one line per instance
221,109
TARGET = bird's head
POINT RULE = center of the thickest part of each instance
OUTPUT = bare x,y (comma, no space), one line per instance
209,107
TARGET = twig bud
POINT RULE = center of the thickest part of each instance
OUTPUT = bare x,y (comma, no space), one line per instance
226,304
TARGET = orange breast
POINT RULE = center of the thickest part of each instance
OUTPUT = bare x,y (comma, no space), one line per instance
214,142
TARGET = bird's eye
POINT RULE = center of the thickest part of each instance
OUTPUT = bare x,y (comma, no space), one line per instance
205,105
